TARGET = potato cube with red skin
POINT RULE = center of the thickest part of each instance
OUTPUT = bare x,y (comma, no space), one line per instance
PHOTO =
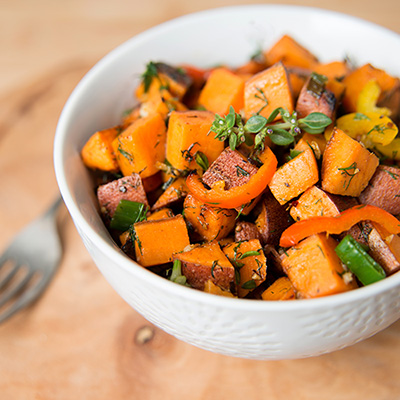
206,262
383,189
231,167
126,188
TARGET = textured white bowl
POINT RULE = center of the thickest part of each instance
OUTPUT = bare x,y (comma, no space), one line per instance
236,327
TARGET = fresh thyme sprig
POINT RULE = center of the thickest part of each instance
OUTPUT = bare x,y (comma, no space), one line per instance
281,133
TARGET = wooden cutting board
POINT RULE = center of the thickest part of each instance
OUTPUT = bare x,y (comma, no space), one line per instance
80,340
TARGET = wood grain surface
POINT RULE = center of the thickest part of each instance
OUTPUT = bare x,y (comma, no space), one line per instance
80,340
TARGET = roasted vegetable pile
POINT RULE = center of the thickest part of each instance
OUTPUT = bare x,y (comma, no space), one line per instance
275,180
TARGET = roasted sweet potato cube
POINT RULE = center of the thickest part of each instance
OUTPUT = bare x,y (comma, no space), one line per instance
140,146
160,214
126,188
314,268
281,289
291,53
98,153
347,166
267,90
223,89
158,240
249,260
383,190
314,202
211,223
175,80
295,177
317,143
188,133
176,191
206,262
245,230
385,249
314,97
273,219
211,287
230,167
333,70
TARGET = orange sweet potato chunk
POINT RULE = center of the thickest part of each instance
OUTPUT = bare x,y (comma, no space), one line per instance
281,289
314,268
98,152
268,90
294,177
222,90
174,192
211,287
211,223
158,240
140,146
252,268
316,142
206,262
290,53
314,202
333,70
347,166
187,134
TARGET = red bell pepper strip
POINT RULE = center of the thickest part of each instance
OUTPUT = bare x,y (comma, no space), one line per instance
238,195
335,225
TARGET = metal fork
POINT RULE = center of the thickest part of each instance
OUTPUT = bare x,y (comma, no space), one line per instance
29,263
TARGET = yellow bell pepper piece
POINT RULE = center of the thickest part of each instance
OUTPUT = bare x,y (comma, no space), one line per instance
391,151
368,98
370,128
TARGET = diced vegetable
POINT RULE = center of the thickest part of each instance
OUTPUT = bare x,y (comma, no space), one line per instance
172,237
97,153
126,214
222,90
140,146
238,195
160,214
245,230
267,90
333,70
206,262
295,177
347,166
211,223
211,287
187,135
358,261
176,191
291,53
250,264
281,289
338,224
317,143
314,268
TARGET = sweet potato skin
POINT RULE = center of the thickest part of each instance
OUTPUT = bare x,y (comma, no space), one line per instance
273,219
206,262
383,190
245,230
230,167
125,188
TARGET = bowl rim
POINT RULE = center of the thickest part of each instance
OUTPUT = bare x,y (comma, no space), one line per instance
112,251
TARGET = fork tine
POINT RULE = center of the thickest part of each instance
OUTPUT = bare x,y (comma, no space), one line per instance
15,289
28,297
7,278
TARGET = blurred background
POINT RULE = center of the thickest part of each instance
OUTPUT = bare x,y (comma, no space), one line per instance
80,340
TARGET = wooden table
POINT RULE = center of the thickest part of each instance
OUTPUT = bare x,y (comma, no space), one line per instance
80,340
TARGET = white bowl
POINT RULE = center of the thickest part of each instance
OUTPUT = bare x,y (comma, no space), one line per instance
236,327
